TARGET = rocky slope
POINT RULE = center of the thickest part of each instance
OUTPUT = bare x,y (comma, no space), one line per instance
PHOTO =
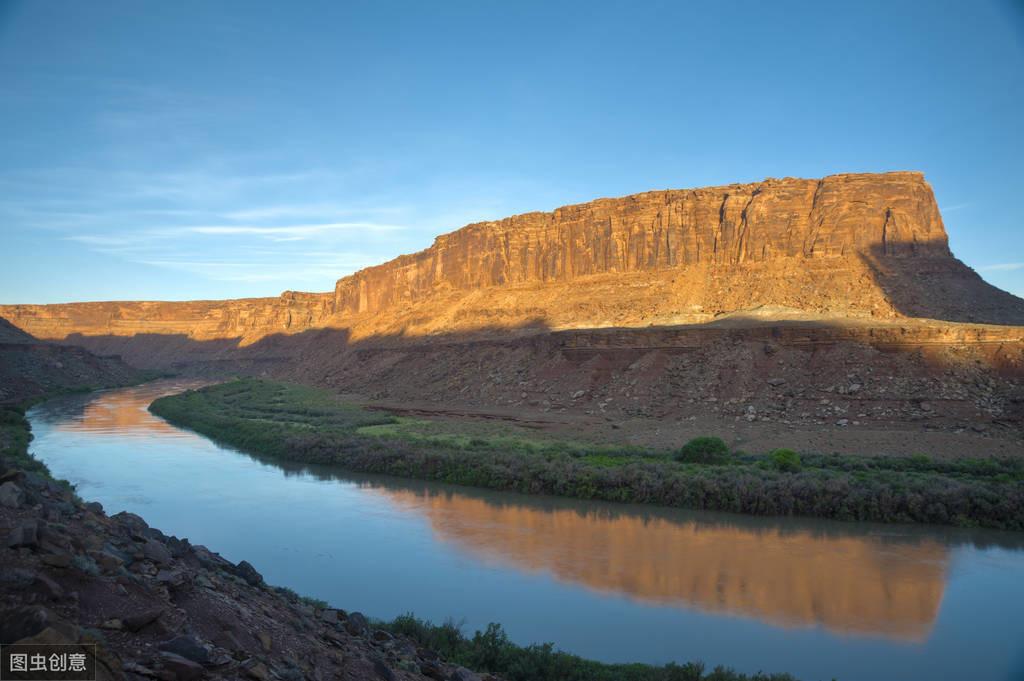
158,607
30,368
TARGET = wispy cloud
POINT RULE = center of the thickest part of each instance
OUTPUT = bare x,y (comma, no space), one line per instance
1002,267
954,207
314,210
292,272
300,231
219,221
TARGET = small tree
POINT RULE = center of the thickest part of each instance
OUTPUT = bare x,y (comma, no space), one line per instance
704,450
785,460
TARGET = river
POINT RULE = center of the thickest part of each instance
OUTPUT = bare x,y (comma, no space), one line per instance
613,582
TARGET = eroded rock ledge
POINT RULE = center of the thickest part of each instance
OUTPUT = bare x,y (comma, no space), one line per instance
855,245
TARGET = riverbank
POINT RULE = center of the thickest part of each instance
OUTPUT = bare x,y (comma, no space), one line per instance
311,426
159,607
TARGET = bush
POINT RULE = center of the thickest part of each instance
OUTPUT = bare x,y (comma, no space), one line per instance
492,651
704,450
785,460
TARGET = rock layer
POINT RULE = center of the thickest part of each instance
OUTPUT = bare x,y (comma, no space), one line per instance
867,245
893,215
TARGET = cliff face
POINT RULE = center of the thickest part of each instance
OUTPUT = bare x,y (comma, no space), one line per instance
246,319
894,214
867,245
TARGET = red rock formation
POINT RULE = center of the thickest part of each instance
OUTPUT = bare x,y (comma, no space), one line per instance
867,245
894,214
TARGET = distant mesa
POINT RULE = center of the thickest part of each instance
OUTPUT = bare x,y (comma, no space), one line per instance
852,246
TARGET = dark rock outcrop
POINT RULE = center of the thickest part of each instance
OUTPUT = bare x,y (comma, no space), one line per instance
220,621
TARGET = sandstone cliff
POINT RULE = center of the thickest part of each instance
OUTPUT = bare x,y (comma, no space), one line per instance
894,214
865,245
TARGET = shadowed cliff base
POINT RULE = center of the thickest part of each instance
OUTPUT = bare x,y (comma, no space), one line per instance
30,368
941,288
816,385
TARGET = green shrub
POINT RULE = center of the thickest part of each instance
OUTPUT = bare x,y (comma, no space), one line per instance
492,651
785,460
704,450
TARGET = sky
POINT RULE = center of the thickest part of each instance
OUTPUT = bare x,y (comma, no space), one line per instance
193,149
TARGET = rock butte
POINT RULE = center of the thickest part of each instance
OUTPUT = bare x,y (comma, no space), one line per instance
530,310
855,245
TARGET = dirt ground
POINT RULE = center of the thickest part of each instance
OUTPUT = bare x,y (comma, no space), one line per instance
895,439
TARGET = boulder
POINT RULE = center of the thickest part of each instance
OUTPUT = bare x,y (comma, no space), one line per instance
107,561
246,571
227,640
356,624
172,578
11,495
130,522
463,674
24,622
187,647
255,669
156,552
57,560
25,534
183,668
139,620
47,587
382,671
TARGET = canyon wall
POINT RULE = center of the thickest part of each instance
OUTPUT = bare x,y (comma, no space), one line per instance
846,246
202,320
892,214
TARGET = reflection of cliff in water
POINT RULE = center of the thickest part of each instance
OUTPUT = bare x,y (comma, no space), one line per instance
123,412
853,584
854,578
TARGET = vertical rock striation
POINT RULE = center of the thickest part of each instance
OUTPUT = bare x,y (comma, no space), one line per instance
892,214
854,245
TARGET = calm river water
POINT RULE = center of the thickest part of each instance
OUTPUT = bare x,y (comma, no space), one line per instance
608,581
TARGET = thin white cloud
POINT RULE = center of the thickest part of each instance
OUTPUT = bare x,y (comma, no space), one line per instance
289,273
99,240
1003,267
285,211
956,206
292,230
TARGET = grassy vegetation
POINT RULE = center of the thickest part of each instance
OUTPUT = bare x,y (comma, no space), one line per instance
491,651
15,437
422,431
307,425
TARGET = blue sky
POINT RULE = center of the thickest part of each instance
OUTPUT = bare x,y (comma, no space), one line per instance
179,150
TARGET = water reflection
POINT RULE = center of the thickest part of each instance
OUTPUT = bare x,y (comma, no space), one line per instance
122,412
868,585
882,581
